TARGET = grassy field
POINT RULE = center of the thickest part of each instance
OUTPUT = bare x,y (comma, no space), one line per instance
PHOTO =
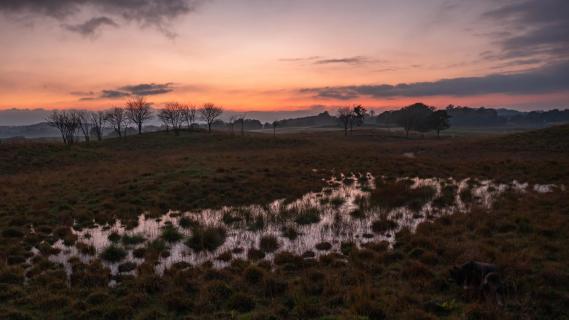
53,187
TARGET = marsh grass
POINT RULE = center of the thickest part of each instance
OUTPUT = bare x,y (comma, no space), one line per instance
113,253
171,234
524,236
205,238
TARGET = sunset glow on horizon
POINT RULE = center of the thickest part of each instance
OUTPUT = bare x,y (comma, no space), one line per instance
284,55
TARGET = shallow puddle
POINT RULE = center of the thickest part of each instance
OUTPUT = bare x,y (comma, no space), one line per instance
346,210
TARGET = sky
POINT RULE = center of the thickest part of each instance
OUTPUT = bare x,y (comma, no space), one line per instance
269,55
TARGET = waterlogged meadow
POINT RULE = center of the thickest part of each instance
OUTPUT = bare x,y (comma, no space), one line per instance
350,211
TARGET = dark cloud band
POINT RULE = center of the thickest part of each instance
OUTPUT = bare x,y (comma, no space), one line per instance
156,13
551,78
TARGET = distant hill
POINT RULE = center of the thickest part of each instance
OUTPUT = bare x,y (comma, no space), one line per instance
321,120
39,130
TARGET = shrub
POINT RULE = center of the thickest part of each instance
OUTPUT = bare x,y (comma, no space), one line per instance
206,238
269,243
113,253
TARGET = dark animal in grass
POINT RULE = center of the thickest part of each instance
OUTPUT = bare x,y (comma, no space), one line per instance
479,278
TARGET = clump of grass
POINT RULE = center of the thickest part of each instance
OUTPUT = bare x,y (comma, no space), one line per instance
466,195
171,234
394,195
307,216
206,238
323,246
85,249
127,266
131,240
337,201
113,253
269,243
255,254
139,252
289,232
382,225
230,218
187,222
114,237
447,197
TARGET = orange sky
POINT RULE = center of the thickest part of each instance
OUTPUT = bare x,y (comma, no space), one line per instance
259,55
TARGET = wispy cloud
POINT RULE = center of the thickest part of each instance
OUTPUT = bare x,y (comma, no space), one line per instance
318,60
143,89
91,26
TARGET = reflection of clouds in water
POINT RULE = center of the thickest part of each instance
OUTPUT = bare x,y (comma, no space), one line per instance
334,203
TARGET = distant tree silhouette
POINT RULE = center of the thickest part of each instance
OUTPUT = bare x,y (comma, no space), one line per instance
439,120
189,114
414,117
275,125
345,114
209,112
98,121
117,119
359,115
173,116
67,122
85,124
138,111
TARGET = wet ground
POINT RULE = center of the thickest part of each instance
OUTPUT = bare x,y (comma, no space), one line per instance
344,211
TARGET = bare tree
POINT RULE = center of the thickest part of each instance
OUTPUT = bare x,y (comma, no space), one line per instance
209,112
189,114
138,111
172,115
345,115
232,121
275,125
85,124
117,118
98,121
67,122
242,122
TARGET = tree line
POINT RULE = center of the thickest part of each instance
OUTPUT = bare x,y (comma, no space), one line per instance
73,124
417,117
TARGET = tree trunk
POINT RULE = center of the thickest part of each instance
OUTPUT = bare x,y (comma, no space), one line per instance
140,128
209,127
